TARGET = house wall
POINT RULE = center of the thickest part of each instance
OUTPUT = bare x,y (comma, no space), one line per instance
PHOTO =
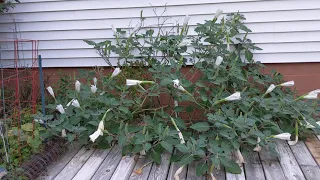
287,30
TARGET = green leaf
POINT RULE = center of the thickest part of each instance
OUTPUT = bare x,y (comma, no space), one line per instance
147,146
167,146
201,168
122,140
230,165
248,55
165,81
186,159
70,137
27,127
200,126
156,156
124,109
182,148
180,123
178,108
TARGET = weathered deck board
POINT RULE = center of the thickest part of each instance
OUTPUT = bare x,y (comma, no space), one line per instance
92,164
109,165
191,173
271,166
53,170
145,171
230,176
124,168
219,174
159,172
253,167
311,172
313,145
75,164
288,162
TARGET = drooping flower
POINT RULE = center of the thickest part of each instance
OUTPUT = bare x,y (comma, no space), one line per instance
287,84
75,103
182,141
315,91
283,136
233,97
59,107
69,103
98,132
95,80
218,13
114,30
218,61
311,95
50,90
131,82
93,88
63,133
77,85
258,147
178,172
185,42
186,20
176,84
291,143
239,157
270,89
116,72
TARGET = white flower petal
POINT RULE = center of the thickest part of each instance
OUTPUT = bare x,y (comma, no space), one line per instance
69,103
115,72
311,95
75,103
94,88
50,90
233,97
131,82
59,107
270,88
101,125
95,135
77,85
218,61
283,136
287,84
63,133
239,157
291,143
114,29
218,13
95,80
186,20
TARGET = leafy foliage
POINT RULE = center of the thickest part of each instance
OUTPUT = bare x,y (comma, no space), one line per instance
138,120
6,5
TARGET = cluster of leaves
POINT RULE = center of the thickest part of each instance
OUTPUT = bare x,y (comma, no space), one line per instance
137,118
5,5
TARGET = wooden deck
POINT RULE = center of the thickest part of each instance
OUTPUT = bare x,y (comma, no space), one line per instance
297,162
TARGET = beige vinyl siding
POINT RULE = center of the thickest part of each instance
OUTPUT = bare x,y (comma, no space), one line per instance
286,30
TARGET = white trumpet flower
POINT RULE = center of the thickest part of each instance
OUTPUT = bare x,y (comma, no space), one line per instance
291,143
75,103
283,136
270,89
311,95
114,29
95,80
218,13
178,172
93,88
176,84
69,103
233,97
131,82
77,85
98,132
116,72
50,90
186,20
258,147
59,107
287,84
185,42
218,61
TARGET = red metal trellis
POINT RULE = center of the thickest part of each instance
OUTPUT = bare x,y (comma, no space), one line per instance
18,63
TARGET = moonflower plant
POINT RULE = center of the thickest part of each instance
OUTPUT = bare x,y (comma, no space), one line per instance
131,82
69,103
185,42
50,90
311,95
283,136
77,85
270,89
218,61
75,103
63,133
94,88
233,97
179,132
287,84
239,157
115,72
59,107
114,30
98,132
291,143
